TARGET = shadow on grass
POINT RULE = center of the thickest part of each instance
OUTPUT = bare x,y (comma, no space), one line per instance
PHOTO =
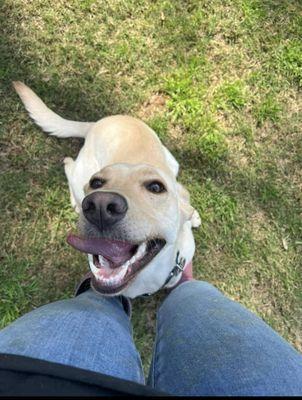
76,94
267,190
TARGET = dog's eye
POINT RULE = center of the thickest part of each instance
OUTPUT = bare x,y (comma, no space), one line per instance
155,187
96,183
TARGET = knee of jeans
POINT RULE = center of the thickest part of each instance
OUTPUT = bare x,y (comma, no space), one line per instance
194,287
190,289
95,300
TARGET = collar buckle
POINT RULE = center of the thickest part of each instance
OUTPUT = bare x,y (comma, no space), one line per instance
180,264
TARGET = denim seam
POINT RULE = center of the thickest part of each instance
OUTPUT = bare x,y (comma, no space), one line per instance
141,368
154,373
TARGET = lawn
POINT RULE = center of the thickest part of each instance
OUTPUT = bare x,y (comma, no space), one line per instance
219,81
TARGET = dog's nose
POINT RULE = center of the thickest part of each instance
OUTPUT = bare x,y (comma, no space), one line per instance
104,209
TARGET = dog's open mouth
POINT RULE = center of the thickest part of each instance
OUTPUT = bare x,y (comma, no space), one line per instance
115,263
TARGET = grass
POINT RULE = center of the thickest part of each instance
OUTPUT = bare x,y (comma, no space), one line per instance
221,84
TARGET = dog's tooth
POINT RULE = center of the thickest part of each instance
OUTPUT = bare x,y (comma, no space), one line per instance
136,256
122,273
104,263
110,277
141,249
93,268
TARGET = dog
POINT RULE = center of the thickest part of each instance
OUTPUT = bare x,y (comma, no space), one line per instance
135,219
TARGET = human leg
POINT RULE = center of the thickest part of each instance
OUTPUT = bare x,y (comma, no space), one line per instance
209,345
89,331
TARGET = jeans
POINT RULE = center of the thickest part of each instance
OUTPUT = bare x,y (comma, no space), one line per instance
205,343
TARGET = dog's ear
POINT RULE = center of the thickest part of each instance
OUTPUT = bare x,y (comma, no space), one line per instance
187,212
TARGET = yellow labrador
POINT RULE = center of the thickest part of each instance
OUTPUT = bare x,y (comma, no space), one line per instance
135,219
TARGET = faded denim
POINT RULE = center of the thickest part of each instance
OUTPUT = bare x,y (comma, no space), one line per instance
205,344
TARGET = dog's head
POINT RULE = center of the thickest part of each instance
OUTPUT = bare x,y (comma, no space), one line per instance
130,216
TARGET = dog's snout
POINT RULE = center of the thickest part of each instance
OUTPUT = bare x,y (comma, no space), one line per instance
104,209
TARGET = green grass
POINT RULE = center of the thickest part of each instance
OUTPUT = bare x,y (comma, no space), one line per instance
221,84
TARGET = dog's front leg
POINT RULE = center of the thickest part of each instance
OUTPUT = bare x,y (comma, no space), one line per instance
68,167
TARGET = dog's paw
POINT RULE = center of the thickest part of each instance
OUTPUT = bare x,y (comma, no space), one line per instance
77,209
74,204
195,219
67,160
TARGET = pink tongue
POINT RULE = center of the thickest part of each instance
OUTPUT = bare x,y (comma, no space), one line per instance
115,251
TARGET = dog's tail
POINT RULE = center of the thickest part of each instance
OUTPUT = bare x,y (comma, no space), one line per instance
48,120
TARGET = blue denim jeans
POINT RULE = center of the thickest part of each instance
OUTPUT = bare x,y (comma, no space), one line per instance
205,344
